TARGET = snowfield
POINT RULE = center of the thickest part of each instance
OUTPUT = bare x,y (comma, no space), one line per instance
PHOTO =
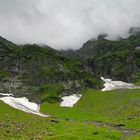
22,104
112,85
69,101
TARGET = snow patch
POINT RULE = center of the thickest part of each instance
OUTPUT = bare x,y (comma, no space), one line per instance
112,85
69,101
6,94
22,104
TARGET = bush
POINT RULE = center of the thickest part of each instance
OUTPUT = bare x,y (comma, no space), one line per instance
51,92
4,74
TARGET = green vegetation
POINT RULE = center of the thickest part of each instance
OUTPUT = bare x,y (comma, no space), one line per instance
4,74
112,115
44,75
99,106
116,59
51,93
34,66
30,67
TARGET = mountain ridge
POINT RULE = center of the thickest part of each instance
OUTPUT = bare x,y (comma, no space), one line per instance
43,73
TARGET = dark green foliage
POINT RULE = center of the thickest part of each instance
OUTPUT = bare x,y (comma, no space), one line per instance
51,92
36,67
135,39
4,74
115,59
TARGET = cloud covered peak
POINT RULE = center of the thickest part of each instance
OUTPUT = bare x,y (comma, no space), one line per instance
65,24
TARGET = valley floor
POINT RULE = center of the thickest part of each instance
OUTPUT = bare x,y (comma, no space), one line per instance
110,115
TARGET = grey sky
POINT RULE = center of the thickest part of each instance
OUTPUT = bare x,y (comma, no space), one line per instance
66,24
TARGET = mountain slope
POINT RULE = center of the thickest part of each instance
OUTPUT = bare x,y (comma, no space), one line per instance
41,73
118,60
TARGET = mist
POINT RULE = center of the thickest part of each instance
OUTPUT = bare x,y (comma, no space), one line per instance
66,24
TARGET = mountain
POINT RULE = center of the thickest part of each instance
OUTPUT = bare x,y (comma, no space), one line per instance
41,73
119,60
44,74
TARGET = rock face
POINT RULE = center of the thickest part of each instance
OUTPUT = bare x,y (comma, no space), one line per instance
112,85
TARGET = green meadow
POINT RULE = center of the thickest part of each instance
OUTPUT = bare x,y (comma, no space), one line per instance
111,115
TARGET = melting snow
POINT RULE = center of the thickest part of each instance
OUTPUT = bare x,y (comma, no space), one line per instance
25,105
69,101
22,104
112,85
6,94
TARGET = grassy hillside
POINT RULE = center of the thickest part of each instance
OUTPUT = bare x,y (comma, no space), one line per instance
112,115
44,75
97,105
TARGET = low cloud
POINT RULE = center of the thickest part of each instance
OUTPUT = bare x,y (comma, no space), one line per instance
64,24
